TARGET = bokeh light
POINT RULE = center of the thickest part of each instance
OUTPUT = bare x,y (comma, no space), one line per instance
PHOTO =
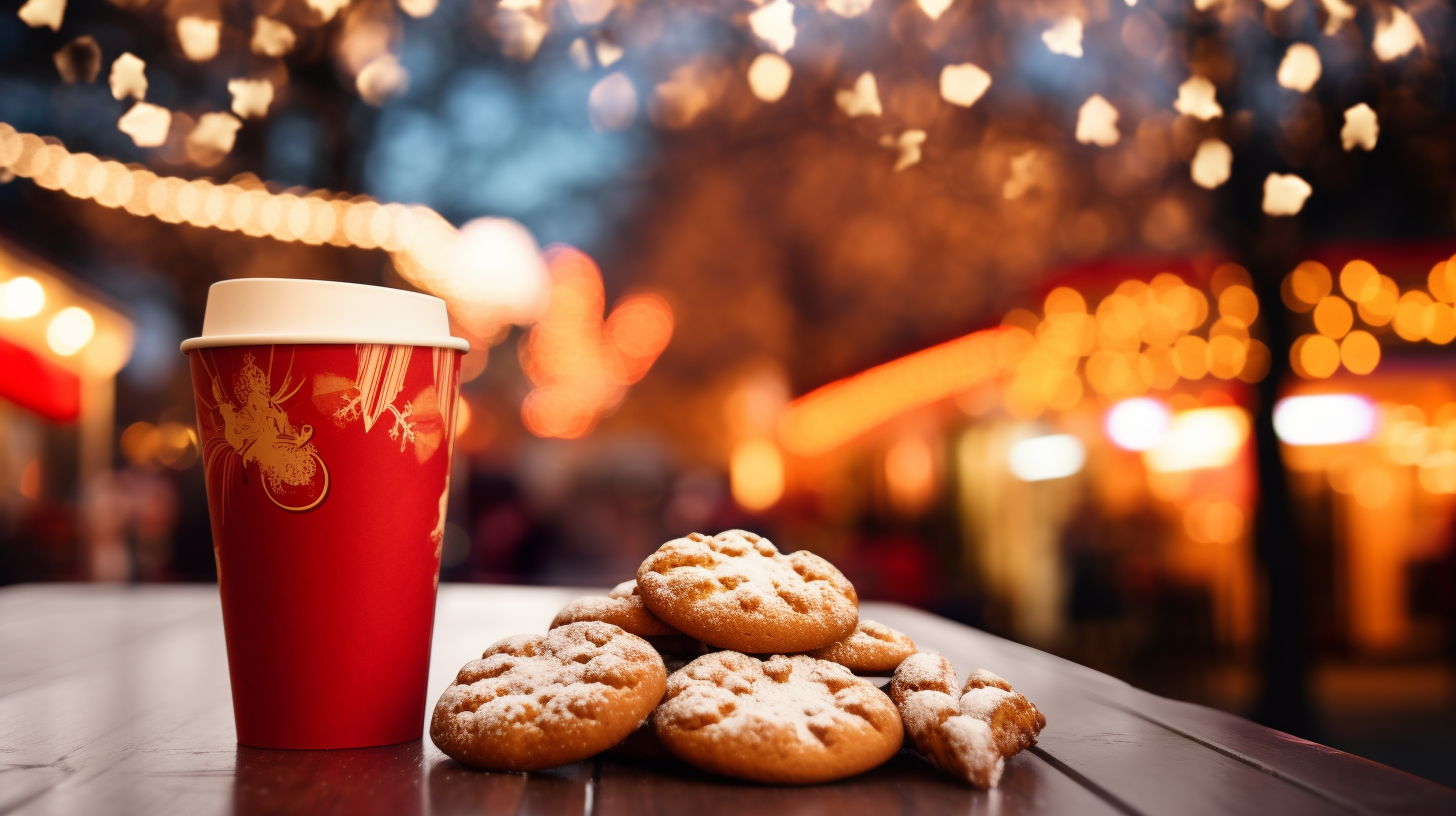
70,330
1438,323
1216,521
910,474
580,360
1319,356
1190,357
1198,439
1333,317
1441,283
1360,352
1324,419
1137,424
756,474
21,297
769,76
1044,458
1359,281
1378,309
1410,316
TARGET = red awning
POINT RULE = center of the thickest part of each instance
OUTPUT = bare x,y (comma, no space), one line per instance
33,382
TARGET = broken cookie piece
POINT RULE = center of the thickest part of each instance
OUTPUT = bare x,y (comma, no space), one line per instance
967,734
962,746
923,671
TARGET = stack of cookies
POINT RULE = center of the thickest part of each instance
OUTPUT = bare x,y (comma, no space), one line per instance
769,662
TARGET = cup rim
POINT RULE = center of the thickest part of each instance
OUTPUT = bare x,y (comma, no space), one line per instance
454,343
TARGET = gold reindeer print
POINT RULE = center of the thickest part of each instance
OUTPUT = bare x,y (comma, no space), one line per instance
257,430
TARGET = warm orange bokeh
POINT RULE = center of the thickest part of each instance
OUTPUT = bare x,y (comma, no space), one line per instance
581,364
824,419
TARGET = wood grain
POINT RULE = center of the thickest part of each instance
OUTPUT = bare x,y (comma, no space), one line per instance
115,701
904,785
1156,755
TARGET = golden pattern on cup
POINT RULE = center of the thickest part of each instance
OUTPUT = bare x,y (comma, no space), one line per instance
257,430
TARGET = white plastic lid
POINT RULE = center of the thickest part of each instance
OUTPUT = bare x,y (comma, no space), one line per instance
267,311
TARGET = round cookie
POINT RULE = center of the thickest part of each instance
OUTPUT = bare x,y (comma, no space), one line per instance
623,607
537,701
737,591
874,648
789,719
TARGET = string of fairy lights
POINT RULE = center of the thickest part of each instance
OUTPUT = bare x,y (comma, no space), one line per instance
1121,341
420,240
244,205
774,25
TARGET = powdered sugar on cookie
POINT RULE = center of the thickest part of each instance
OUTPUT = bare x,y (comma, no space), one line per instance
786,719
971,740
968,735
923,671
595,605
923,710
535,701
805,697
873,648
1014,721
982,702
626,589
959,745
737,591
626,611
980,678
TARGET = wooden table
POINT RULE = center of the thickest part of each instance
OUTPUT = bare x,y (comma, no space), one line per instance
115,700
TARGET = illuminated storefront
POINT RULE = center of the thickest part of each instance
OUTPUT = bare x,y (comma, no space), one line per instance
1096,452
61,347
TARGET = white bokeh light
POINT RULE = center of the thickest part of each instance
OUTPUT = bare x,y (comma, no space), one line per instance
1324,419
21,297
1199,439
496,275
70,330
1047,457
1137,424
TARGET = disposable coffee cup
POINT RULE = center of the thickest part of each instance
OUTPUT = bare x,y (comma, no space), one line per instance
326,418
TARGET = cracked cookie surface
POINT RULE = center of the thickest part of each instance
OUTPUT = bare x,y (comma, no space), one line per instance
873,648
736,591
538,701
788,719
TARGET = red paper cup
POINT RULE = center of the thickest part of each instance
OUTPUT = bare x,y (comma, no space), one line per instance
326,421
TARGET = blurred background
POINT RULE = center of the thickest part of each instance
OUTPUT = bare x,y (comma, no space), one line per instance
1121,328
